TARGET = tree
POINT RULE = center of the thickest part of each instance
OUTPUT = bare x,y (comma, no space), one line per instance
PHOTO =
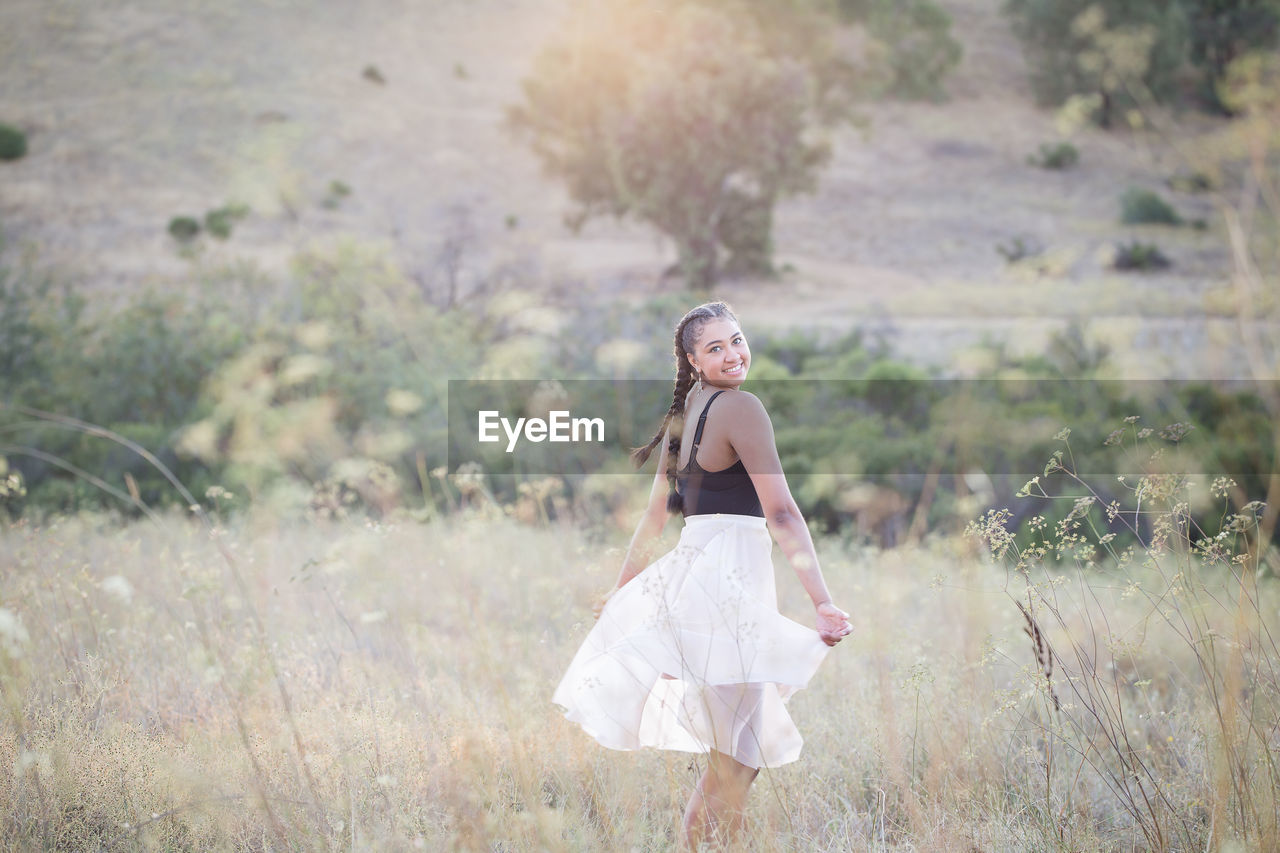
1221,31
1096,47
687,116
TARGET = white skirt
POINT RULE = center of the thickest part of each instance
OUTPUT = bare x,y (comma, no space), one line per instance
693,654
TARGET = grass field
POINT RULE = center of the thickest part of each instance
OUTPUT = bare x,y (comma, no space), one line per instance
386,686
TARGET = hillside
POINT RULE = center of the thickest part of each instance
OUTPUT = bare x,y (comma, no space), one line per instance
141,112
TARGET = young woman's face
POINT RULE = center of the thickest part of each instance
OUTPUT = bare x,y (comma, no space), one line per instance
721,353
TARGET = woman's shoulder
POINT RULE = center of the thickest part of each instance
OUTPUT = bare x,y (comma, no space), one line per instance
742,403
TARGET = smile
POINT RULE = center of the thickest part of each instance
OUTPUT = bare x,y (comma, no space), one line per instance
733,371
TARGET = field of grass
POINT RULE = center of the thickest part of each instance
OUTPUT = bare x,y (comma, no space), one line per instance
386,685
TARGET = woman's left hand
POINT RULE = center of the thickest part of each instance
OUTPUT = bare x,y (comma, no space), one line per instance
833,623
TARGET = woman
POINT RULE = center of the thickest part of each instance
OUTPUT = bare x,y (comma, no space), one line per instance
691,653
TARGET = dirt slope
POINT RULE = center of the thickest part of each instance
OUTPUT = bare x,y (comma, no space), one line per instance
139,111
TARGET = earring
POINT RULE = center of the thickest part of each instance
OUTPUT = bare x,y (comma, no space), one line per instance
699,380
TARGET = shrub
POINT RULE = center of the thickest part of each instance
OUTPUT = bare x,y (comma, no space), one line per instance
218,222
1144,207
1017,249
917,34
184,229
13,143
137,369
337,192
1140,256
1063,155
1191,182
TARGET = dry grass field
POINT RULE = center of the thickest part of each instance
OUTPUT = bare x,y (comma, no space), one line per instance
360,685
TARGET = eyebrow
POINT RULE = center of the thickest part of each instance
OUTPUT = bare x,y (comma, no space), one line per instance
736,334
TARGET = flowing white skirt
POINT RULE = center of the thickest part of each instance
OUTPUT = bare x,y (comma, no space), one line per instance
693,654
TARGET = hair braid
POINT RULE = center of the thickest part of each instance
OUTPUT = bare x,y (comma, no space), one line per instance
687,331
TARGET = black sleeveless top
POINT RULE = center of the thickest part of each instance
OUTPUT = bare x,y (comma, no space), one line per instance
728,490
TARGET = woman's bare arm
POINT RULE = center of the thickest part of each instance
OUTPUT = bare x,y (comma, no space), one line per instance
751,434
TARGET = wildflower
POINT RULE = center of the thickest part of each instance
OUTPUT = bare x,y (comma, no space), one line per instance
13,635
119,588
1221,485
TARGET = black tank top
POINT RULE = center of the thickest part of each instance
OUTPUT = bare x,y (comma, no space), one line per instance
728,490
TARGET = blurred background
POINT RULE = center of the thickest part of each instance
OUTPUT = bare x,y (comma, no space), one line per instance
259,239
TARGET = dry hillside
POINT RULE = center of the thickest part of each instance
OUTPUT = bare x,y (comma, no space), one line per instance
140,111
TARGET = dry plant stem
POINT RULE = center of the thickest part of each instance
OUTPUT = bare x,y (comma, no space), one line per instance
1112,724
1246,605
1247,625
1248,280
368,678
259,629
97,482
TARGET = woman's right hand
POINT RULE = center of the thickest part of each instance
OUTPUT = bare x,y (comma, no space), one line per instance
833,623
603,600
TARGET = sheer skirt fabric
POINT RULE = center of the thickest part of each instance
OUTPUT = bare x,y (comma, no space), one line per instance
693,654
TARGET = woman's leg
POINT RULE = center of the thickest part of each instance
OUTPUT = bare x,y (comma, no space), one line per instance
717,808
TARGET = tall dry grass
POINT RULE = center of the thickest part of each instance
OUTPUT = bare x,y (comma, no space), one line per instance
386,686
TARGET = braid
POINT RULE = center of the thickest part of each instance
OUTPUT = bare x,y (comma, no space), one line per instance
687,331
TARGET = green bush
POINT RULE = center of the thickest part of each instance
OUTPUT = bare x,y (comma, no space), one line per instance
917,34
1062,155
1144,207
1191,182
1017,249
13,143
218,222
184,229
138,369
1140,256
337,192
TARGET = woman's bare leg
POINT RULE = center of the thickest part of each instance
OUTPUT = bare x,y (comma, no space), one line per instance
717,809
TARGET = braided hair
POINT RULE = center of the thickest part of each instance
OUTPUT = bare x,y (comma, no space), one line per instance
688,330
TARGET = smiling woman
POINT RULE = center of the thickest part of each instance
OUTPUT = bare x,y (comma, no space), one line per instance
689,652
